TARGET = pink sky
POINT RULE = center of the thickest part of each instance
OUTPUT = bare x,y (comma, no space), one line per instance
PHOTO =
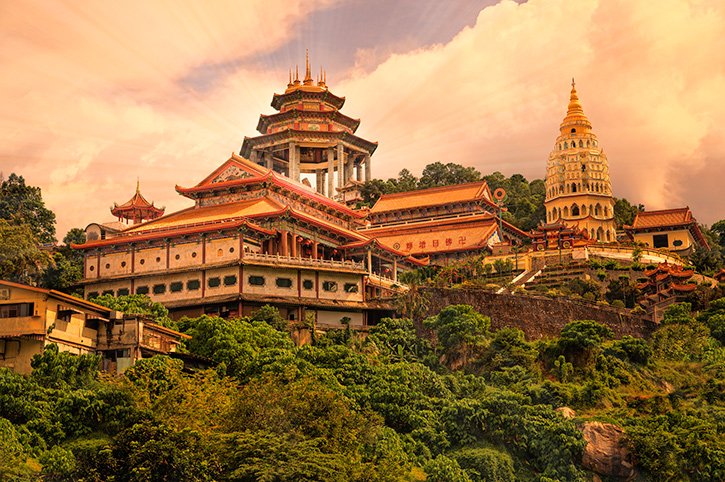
96,94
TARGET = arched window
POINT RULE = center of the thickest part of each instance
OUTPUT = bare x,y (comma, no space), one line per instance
606,213
600,234
581,144
584,209
559,212
609,238
591,236
575,210
573,130
573,187
566,145
566,212
588,144
598,210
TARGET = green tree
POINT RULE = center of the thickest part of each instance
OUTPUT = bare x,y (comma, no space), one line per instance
22,204
624,212
462,333
137,305
718,229
21,258
439,174
580,340
66,271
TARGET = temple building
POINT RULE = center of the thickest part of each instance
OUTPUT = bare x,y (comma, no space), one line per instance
252,237
309,135
665,284
137,209
578,188
673,229
441,223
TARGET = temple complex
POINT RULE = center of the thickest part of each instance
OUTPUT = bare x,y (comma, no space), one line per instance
253,237
309,135
672,229
441,223
578,189
666,284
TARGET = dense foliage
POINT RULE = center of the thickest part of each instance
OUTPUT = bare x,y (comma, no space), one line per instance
462,404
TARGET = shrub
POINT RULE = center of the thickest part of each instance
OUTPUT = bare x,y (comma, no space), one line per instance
618,304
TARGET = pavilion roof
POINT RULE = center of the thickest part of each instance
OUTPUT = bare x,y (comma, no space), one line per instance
302,93
663,218
319,138
435,196
136,203
257,174
336,116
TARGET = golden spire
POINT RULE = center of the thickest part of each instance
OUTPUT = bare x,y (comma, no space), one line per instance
290,84
575,118
297,75
308,75
138,185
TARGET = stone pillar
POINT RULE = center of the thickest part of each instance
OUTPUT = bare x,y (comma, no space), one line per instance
370,262
358,172
367,168
268,160
253,156
340,167
330,171
294,162
294,246
395,270
315,244
349,168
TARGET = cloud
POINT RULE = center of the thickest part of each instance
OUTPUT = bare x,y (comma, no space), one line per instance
98,93
651,81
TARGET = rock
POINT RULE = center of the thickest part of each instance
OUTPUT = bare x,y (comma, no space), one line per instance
566,412
606,453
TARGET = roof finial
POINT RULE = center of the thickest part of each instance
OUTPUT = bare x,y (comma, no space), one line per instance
138,185
308,74
573,84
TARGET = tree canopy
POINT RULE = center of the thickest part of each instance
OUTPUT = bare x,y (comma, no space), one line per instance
23,204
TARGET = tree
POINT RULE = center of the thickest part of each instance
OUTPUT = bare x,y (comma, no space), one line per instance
137,305
718,229
21,258
461,331
439,174
22,204
624,212
66,271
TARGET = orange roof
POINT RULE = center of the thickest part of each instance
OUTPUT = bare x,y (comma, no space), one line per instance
207,214
472,191
58,294
662,218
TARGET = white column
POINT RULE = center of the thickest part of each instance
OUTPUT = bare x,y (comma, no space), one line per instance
330,172
340,166
367,168
293,170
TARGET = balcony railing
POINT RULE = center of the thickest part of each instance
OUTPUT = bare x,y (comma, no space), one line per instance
299,261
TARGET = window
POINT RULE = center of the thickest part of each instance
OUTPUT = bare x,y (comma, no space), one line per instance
176,286
122,292
158,260
677,243
193,284
142,261
16,309
283,282
351,288
142,290
329,286
660,241
159,289
91,323
177,257
108,265
231,250
214,282
230,280
220,252
308,284
193,255
92,268
123,264
256,280
108,292
573,131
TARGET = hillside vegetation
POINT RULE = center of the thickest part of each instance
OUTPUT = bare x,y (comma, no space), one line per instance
462,403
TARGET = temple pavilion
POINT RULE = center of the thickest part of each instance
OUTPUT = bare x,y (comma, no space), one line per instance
310,136
137,209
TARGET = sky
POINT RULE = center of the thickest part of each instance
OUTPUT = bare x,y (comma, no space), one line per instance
95,95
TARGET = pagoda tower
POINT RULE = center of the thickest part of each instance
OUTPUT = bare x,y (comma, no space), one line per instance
578,188
309,135
136,209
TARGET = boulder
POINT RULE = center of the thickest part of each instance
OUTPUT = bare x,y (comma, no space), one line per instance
606,452
566,412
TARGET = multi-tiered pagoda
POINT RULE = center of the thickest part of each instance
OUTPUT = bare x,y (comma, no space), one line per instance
309,135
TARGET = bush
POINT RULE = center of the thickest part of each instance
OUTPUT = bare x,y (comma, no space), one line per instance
635,350
485,464
618,304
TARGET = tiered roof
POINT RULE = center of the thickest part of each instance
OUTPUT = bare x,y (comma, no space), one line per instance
412,200
137,208
666,281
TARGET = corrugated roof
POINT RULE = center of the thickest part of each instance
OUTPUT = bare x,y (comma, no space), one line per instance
430,197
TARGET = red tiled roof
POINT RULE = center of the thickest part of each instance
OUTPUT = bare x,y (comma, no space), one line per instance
472,191
662,218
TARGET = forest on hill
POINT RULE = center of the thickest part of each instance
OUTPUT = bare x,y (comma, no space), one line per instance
452,401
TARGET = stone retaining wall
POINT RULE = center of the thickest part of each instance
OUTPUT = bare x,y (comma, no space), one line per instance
538,317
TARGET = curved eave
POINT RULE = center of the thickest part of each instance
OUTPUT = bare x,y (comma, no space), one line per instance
266,120
374,243
119,211
292,134
166,233
189,191
278,100
287,211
